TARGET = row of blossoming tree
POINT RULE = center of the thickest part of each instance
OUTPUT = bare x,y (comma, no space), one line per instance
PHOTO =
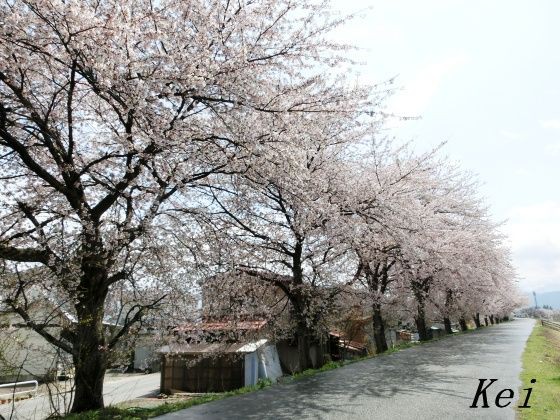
148,145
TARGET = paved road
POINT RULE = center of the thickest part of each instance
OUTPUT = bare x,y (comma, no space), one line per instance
437,380
116,389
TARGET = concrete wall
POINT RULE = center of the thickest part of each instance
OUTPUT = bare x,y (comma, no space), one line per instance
24,354
145,358
289,357
269,363
27,355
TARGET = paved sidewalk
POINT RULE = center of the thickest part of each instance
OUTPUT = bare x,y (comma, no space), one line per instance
436,380
116,389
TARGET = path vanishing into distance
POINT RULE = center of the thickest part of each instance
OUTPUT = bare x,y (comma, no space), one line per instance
436,380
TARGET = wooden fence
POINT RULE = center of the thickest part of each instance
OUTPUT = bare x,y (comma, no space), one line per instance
550,324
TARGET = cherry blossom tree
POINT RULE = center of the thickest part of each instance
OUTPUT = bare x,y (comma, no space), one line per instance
145,143
420,231
462,260
278,219
114,115
375,214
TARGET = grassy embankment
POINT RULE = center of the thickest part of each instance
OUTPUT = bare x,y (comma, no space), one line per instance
541,361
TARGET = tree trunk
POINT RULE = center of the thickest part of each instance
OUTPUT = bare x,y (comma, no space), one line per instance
422,330
420,289
303,333
448,303
90,355
90,366
463,324
492,319
304,347
477,320
322,350
447,324
379,330
486,321
420,319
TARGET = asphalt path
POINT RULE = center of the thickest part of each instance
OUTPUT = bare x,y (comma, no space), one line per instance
115,389
436,380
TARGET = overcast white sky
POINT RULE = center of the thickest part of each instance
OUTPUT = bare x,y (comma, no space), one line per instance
484,76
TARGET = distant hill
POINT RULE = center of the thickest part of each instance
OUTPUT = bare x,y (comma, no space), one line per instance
548,298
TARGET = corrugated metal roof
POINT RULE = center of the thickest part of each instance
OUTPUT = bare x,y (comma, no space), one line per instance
207,348
350,344
222,326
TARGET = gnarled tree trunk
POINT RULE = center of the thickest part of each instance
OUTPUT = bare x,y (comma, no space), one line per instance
447,324
303,337
420,320
90,364
90,355
420,289
379,329
448,303
304,333
476,319
423,334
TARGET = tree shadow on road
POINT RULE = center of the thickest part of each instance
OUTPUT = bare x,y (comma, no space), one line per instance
414,373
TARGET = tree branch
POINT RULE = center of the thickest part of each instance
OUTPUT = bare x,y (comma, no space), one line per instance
24,254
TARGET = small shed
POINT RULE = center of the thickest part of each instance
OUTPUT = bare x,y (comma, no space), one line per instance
436,331
217,367
342,347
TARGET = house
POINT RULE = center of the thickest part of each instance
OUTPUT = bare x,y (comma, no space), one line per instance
145,356
25,354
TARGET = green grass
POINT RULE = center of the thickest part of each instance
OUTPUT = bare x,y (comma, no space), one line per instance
310,372
541,361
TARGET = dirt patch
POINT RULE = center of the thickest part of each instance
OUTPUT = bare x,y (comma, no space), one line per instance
9,400
142,403
153,402
553,336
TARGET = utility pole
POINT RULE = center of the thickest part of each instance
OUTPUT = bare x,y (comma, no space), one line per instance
535,297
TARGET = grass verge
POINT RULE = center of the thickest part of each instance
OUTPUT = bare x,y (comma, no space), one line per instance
541,361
